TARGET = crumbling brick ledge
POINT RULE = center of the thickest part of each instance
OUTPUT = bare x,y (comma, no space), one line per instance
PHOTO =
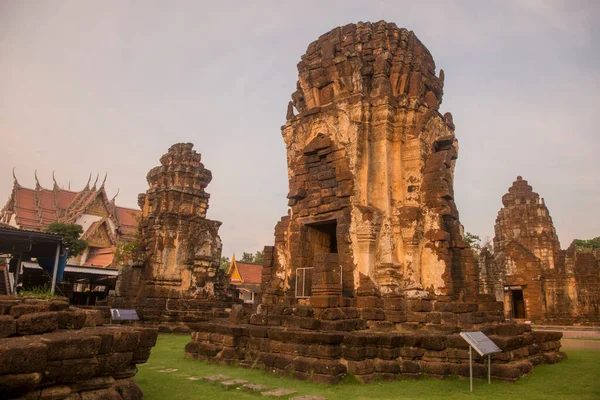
49,350
328,356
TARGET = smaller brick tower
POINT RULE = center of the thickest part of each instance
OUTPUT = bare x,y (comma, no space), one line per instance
177,274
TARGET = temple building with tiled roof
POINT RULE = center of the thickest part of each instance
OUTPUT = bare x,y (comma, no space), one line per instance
105,225
246,279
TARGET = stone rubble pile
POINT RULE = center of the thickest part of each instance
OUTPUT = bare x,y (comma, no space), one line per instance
50,350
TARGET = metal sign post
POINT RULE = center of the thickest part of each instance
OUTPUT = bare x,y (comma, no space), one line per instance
482,345
55,269
471,367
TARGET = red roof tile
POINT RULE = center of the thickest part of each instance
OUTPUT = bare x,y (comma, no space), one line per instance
250,273
25,198
64,198
47,200
128,219
101,258
37,208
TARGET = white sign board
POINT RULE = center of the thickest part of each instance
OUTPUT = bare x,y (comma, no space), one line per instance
119,314
481,343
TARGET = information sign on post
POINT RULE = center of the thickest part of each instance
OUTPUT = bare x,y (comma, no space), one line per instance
119,314
482,345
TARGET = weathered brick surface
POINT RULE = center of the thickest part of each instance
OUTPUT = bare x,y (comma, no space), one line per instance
16,384
72,319
8,326
37,322
70,345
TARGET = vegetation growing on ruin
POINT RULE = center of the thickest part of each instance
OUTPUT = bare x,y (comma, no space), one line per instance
574,378
126,250
474,241
587,244
38,292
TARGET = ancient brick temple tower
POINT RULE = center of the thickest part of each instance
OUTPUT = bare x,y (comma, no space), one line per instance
369,273
176,276
526,219
529,272
371,171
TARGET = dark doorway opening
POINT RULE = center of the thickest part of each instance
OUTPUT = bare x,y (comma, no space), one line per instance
518,304
320,264
323,237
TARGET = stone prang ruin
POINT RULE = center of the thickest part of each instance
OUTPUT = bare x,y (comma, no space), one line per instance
371,171
370,274
529,272
174,277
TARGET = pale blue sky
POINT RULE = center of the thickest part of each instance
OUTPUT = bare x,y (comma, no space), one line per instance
95,86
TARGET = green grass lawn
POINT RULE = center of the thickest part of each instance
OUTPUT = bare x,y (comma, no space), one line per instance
578,377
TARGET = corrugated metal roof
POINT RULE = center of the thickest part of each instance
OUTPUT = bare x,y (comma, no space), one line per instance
78,269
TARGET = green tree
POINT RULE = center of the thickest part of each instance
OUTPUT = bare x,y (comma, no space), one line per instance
70,234
247,257
259,257
225,262
250,258
588,243
474,241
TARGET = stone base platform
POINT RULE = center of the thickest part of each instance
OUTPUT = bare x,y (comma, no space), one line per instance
338,313
329,356
174,315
